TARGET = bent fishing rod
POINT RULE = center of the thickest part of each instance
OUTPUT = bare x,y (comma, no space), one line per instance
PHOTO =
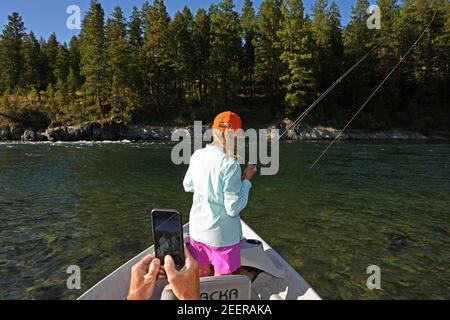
374,92
339,80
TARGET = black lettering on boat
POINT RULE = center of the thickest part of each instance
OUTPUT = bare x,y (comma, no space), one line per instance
231,294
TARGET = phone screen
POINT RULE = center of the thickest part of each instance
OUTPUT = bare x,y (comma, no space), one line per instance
168,236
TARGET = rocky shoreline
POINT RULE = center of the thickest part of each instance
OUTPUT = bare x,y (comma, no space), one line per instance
324,133
117,131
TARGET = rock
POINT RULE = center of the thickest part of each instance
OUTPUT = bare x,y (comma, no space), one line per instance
293,133
16,132
438,136
5,133
396,134
380,135
89,131
114,131
417,136
57,134
139,133
55,124
31,136
11,132
146,133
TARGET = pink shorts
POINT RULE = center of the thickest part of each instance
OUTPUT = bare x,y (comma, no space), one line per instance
225,260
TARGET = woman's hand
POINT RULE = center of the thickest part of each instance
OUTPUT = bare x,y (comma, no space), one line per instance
249,172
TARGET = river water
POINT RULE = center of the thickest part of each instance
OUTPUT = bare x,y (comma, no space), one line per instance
366,203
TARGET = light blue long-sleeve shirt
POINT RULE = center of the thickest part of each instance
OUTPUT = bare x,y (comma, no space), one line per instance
219,197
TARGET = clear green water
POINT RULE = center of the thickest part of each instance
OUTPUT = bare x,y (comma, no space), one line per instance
382,203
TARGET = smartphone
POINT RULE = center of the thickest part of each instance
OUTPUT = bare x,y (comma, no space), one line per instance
168,235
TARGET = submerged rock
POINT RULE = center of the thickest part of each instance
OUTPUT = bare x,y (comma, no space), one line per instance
397,241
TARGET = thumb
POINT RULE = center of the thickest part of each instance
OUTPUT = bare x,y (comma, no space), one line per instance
169,266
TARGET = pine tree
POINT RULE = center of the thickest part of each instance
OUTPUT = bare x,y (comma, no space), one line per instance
93,55
335,65
268,64
202,51
117,58
321,30
75,64
337,46
62,70
32,76
181,31
358,39
62,64
72,87
406,33
225,53
387,101
431,61
144,11
320,26
134,34
158,57
135,42
44,68
50,50
12,62
327,53
249,28
295,40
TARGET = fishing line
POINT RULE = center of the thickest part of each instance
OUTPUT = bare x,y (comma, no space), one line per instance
373,93
323,95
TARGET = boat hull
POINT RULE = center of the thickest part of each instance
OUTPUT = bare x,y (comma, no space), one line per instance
277,280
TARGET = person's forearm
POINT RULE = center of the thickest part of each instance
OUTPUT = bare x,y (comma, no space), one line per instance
234,204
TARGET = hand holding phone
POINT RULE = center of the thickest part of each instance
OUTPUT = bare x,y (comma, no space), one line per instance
168,235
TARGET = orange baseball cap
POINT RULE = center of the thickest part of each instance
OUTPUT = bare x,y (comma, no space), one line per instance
227,120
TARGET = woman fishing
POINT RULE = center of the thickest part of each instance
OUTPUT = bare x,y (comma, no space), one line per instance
220,193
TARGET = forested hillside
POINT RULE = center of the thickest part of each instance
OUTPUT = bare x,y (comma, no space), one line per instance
266,63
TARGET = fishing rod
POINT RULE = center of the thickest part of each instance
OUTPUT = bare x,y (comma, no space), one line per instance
323,95
374,92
